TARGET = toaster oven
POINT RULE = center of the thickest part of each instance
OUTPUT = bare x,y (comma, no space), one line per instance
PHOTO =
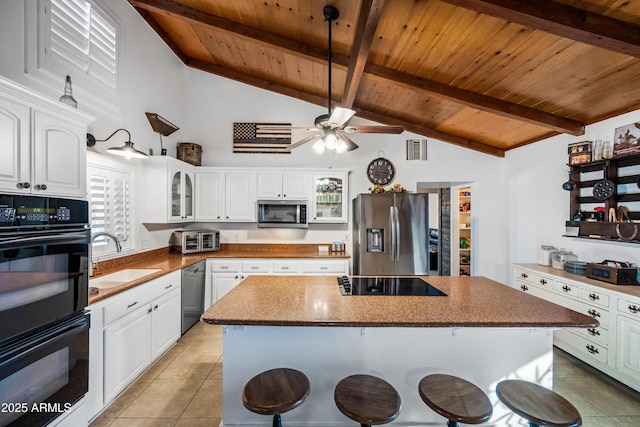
193,241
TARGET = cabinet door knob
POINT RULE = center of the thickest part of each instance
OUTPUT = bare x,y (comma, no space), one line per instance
593,313
591,349
524,288
634,308
566,288
593,297
524,275
41,187
22,185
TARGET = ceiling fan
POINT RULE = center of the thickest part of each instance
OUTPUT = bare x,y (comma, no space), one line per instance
331,129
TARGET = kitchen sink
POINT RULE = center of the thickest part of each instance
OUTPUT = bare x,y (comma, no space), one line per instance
121,277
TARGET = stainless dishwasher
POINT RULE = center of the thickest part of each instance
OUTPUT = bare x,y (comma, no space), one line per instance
192,294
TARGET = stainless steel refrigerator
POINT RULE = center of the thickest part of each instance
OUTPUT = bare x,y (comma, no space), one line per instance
390,234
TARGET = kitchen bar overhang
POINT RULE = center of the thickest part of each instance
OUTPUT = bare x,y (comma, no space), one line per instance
481,330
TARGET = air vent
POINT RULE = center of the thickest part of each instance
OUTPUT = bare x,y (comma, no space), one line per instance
416,149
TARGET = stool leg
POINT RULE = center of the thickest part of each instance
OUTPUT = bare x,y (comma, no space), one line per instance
452,423
277,421
533,425
365,425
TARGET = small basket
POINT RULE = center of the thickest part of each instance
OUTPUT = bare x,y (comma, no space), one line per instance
190,153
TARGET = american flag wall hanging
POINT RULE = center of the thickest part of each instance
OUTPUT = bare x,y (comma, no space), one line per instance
261,137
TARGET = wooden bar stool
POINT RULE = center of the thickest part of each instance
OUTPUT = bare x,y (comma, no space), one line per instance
538,405
275,392
456,399
367,399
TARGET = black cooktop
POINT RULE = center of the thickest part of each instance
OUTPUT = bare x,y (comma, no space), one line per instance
387,286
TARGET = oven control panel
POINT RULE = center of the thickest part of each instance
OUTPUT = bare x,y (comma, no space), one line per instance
33,211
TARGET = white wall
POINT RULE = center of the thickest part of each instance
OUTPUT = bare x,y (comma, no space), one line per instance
539,207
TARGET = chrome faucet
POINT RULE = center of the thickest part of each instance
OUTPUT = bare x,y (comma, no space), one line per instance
112,236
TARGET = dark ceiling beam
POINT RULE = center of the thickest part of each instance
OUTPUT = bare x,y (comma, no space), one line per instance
476,100
431,133
196,16
562,20
321,100
370,11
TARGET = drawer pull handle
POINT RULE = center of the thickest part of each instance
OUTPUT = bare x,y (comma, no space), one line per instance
634,308
155,307
224,267
149,310
524,288
254,267
591,349
524,275
593,332
168,286
593,313
285,268
132,304
594,297
324,268
566,288
543,282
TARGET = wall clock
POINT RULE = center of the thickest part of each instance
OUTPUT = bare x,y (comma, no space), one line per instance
381,171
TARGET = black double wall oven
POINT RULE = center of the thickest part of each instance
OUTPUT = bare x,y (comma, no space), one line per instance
44,330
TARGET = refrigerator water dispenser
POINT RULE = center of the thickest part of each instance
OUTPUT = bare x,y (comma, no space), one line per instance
375,239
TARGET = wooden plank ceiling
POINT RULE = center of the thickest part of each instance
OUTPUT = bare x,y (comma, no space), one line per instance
488,75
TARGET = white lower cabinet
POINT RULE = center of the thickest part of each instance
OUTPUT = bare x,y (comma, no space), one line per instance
128,332
614,346
224,275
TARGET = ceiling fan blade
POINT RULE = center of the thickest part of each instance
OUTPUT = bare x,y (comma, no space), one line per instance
374,129
350,144
340,116
302,141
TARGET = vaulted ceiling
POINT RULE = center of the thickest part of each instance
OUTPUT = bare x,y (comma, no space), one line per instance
488,75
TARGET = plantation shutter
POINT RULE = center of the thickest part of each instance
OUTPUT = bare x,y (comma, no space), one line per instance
110,205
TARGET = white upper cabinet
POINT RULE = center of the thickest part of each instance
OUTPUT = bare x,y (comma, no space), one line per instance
280,185
240,197
43,144
225,195
168,190
209,196
330,200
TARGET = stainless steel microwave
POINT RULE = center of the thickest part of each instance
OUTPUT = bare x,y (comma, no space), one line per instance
193,241
283,213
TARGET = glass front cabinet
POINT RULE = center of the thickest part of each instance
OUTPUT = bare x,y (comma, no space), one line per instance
330,198
181,195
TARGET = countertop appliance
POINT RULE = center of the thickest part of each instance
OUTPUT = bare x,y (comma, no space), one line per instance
44,329
390,234
283,213
194,241
387,286
193,280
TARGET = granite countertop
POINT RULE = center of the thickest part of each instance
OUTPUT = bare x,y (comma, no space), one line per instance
167,262
632,290
317,301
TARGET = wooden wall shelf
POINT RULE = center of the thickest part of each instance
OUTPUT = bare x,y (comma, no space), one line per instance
607,230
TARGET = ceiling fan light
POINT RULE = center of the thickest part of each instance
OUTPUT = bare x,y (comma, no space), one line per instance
319,146
341,146
331,141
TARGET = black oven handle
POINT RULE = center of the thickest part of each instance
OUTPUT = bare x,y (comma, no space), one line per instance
23,240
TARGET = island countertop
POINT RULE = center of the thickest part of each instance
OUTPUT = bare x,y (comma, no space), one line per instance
317,301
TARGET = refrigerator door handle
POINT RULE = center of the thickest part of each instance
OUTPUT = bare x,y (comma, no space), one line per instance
396,220
392,232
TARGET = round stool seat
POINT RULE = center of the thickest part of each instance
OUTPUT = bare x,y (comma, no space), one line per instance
275,391
538,405
367,399
456,399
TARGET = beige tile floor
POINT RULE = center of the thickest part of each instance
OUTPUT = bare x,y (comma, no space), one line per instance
184,389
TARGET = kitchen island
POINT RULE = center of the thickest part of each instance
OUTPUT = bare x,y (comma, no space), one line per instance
481,330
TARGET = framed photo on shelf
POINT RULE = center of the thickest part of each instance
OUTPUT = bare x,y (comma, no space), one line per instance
626,140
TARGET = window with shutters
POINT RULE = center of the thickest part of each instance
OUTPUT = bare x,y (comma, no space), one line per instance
110,207
81,39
